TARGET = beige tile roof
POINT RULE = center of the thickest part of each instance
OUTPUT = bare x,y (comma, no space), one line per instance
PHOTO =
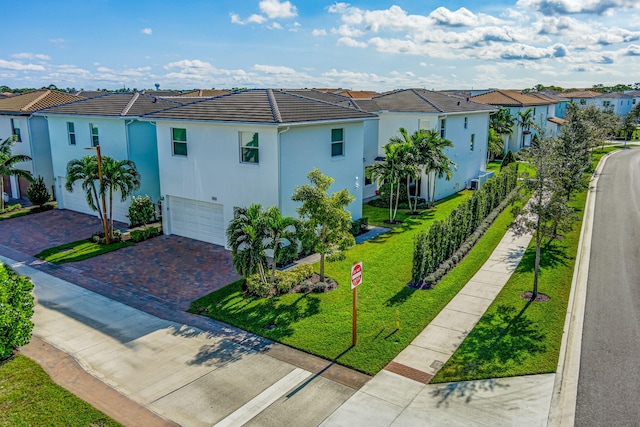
34,101
206,92
261,106
580,94
358,94
511,98
420,101
114,105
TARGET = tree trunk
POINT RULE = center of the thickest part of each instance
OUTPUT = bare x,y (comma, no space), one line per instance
391,202
322,267
395,210
536,268
1,193
409,194
111,213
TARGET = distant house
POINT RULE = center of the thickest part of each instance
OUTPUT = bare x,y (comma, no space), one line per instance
542,108
461,120
581,97
33,135
253,146
111,121
620,103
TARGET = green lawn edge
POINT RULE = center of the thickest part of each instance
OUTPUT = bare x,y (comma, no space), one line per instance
320,324
78,251
515,337
29,397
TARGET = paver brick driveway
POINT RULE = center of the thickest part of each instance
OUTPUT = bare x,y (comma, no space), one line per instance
166,271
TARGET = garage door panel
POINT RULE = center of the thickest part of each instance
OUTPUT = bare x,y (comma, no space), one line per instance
197,220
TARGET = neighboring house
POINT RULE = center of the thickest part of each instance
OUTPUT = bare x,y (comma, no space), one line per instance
542,108
581,97
254,146
619,102
203,93
33,135
110,120
462,121
562,103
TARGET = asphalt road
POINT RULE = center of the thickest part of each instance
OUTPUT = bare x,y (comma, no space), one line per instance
609,382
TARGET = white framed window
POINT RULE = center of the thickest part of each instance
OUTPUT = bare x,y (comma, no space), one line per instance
179,141
424,124
71,133
95,138
472,143
443,126
466,122
337,142
15,129
249,147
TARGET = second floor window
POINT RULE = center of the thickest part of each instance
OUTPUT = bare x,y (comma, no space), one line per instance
15,129
95,138
337,142
71,131
473,141
443,125
179,141
249,147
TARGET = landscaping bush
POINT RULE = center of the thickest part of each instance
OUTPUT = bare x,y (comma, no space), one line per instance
16,309
285,281
37,192
144,234
11,208
507,159
360,226
141,211
457,234
287,255
98,237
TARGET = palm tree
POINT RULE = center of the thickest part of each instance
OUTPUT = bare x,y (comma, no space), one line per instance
8,162
279,231
390,171
411,160
118,175
245,235
525,120
85,170
436,163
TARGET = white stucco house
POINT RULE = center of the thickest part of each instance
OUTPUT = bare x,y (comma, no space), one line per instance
460,120
253,146
111,121
542,109
16,118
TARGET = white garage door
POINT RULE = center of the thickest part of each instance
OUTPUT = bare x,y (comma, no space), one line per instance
197,220
77,201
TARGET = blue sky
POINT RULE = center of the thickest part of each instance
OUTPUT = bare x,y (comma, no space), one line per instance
377,45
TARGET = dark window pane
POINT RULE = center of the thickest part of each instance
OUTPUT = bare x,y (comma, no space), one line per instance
336,135
336,149
179,134
179,148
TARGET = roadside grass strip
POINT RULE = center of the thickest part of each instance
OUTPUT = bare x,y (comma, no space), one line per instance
28,397
78,251
390,314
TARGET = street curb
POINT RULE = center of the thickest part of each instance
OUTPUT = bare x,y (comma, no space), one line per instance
562,410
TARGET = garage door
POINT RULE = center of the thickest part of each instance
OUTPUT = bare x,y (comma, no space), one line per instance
197,220
76,200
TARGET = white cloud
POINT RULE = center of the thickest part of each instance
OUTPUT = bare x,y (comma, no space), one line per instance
348,41
275,9
273,69
147,31
19,66
318,33
565,7
275,26
347,31
27,55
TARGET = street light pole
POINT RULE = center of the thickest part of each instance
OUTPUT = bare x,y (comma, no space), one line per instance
107,238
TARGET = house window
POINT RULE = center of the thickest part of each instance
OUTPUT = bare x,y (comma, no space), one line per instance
367,176
443,123
249,147
337,142
473,141
95,139
466,122
15,129
71,131
179,141
583,102
634,101
424,124
606,103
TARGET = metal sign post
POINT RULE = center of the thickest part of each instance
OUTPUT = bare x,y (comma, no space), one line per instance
356,280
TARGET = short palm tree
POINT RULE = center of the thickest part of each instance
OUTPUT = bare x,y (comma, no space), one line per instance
410,159
390,171
525,120
118,176
85,171
245,235
436,163
8,162
279,231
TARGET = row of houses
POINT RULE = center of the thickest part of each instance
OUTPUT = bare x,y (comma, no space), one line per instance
205,153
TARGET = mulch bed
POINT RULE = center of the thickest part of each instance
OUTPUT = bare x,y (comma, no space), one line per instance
540,298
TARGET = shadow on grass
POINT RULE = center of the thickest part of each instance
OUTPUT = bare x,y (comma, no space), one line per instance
400,298
502,338
552,255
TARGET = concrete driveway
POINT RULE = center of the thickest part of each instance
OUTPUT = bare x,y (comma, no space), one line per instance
167,271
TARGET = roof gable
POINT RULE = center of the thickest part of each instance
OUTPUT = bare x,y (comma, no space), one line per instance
36,100
511,98
421,101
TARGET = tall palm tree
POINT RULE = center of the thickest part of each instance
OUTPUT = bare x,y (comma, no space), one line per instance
118,176
525,120
436,163
411,160
391,170
8,162
85,170
245,235
502,123
279,231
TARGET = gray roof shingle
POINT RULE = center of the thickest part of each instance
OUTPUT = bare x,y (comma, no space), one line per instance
113,105
421,101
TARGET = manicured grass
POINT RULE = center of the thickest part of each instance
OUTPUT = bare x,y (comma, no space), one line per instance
494,166
28,397
24,211
78,251
321,323
516,337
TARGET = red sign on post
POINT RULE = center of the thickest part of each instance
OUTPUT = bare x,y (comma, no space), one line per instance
356,275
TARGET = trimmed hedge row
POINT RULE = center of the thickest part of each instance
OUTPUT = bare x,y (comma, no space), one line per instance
442,241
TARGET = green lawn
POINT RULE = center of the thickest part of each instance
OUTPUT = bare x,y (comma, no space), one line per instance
24,211
321,323
515,337
78,251
28,397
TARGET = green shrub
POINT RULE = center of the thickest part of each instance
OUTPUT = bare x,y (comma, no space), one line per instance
141,211
37,192
11,208
98,237
144,234
285,281
257,287
507,159
287,255
16,309
360,226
